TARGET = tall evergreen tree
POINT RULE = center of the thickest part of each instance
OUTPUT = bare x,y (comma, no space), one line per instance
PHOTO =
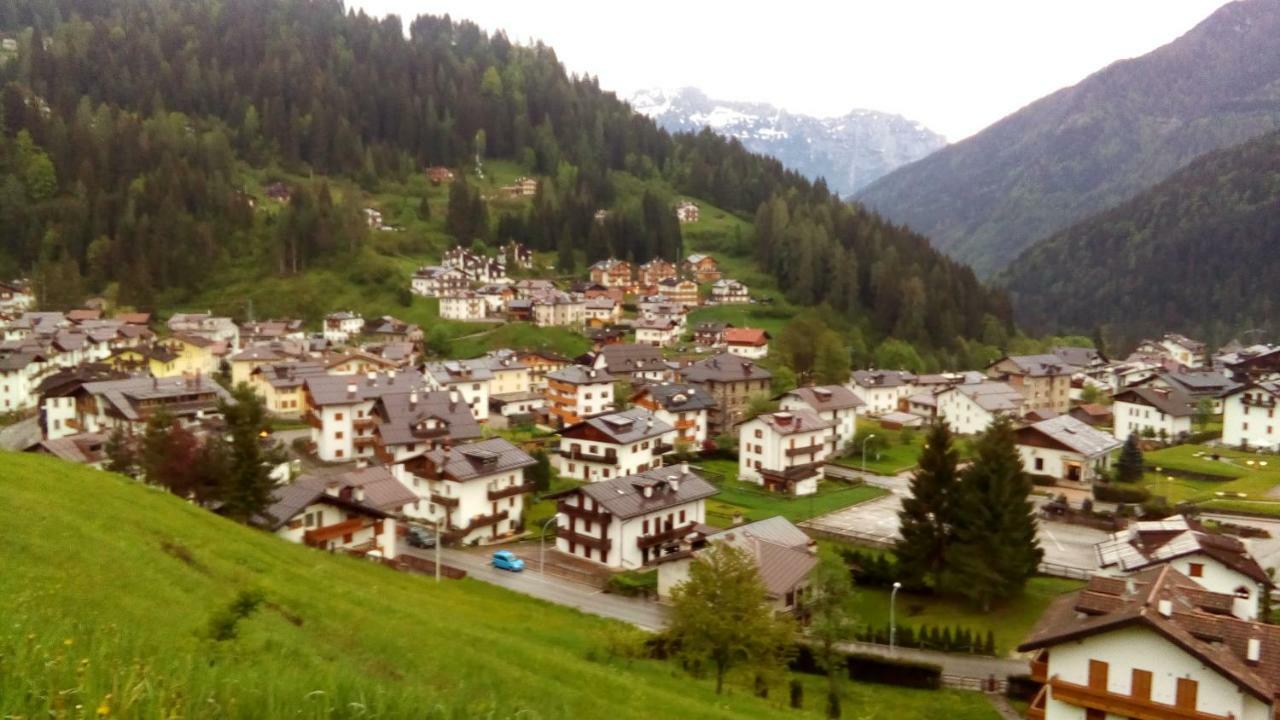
1130,466
994,547
247,489
927,514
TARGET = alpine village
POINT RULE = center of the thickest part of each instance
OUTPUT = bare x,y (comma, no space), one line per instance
354,366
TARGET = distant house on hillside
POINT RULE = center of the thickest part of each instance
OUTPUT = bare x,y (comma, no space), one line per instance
522,187
728,291
279,192
438,174
703,268
687,212
747,342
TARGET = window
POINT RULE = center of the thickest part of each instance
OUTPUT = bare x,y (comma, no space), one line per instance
1098,674
337,435
681,516
1141,686
1196,570
1039,463
759,434
337,416
337,453
1187,690
644,528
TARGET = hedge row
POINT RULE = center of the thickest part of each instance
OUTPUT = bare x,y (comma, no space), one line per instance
876,669
930,637
1120,493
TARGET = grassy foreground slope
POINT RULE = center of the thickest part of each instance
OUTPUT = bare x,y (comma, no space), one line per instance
108,588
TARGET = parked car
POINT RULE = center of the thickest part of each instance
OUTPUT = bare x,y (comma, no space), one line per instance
507,560
421,538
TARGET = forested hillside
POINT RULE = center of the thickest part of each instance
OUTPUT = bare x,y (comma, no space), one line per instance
1091,146
1196,254
138,133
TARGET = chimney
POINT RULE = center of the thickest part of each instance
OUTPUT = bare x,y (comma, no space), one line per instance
351,389
331,489
413,399
358,494
372,377
674,483
1253,652
684,469
391,376
1165,608
648,491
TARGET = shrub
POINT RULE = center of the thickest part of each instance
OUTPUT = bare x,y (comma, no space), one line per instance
797,694
633,584
1118,494
224,625
1043,480
889,671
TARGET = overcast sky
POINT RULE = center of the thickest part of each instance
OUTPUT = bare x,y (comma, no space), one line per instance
954,65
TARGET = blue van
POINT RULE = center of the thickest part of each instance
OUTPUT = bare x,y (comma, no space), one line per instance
507,560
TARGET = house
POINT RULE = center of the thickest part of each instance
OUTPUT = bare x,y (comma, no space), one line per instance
682,292
409,422
558,309
467,379
478,268
517,255
527,289
655,271
265,331
612,273
540,362
206,325
728,292
702,268
575,392
340,327
373,218
1249,416
338,409
1183,350
387,329
437,174
632,362
279,192
1044,380
522,187
1087,360
657,333
784,557
1153,645
1152,412
20,372
784,451
435,281
686,212
281,385
709,334
747,342
82,448
495,297
1198,385
632,521
1218,563
613,445
681,406
1260,362
834,403
733,382
474,493
15,298
1093,414
1064,448
970,409
881,390
100,406
352,512
601,312
465,306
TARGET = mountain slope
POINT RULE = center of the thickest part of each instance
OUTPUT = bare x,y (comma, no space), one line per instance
108,590
849,151
1196,253
1090,146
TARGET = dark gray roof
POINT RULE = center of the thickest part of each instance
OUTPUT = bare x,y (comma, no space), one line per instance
381,488
631,357
827,397
680,397
404,418
671,486
1201,383
725,368
882,378
480,459
1170,402
347,389
579,375
1040,365
624,427
123,394
790,422
453,371
289,374
289,500
1080,357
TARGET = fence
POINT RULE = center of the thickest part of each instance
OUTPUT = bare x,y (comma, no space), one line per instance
411,563
833,532
1064,571
989,684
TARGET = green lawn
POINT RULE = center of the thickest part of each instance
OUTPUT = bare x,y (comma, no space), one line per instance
1250,474
109,590
1010,622
756,504
897,455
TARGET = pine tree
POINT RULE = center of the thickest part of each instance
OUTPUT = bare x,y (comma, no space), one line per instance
1130,466
927,514
122,453
424,206
994,548
248,487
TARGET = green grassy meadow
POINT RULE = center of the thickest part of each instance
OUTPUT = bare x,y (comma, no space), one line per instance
755,504
109,593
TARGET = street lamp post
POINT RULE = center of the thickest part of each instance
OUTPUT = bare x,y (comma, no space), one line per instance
439,542
893,625
542,544
864,452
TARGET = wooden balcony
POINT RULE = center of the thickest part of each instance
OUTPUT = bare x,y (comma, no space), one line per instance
608,458
793,473
446,500
329,532
511,490
665,536
806,450
602,544
311,418
686,424
456,532
364,423
364,440
1035,711
1259,401
1128,706
663,449
582,513
1040,667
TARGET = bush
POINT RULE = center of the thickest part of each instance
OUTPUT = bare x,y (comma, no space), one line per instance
887,671
1117,494
634,584
1022,687
1043,480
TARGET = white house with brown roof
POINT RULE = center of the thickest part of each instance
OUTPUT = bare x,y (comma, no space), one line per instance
1154,645
970,409
881,390
468,380
1152,411
746,342
339,409
466,306
409,423
727,291
340,327
657,332
632,521
353,512
682,406
1064,448
611,446
834,403
475,492
1218,563
434,281
784,451
575,393
1249,417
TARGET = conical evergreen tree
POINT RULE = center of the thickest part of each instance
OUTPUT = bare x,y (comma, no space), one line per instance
994,548
1130,465
926,515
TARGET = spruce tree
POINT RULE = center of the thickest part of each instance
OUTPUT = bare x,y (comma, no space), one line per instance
1130,465
926,515
248,487
994,547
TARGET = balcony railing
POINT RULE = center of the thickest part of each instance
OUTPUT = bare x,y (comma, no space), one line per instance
795,472
364,423
1040,667
329,532
1258,401
663,448
665,536
511,490
456,532
806,450
1036,710
610,457
364,440
599,543
446,500
310,418
1083,696
582,513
